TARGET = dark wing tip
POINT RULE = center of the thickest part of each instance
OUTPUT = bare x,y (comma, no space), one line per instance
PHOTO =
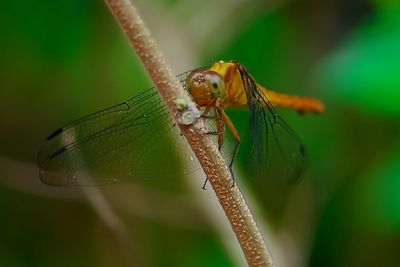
54,134
57,152
43,157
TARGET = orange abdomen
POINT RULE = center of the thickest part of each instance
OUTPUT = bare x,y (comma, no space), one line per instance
300,104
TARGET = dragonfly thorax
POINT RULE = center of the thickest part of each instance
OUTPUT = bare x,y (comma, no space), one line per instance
205,85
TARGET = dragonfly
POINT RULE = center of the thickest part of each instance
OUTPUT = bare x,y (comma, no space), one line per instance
108,145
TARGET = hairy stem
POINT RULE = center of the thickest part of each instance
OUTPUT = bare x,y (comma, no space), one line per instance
212,162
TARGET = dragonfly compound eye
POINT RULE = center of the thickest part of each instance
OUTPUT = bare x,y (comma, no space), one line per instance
216,84
197,86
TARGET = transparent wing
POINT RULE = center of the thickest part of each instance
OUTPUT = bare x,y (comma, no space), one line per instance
275,149
126,140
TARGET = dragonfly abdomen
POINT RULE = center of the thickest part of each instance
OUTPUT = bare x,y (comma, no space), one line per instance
300,104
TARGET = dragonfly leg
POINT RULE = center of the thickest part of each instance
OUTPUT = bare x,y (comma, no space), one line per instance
204,185
208,107
220,132
220,128
220,125
235,135
216,117
211,117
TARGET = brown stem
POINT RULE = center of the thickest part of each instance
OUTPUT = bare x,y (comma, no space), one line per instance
213,164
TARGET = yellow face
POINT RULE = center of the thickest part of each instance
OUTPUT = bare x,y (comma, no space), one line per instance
205,85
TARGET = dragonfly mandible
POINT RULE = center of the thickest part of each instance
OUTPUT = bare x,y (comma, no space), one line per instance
91,150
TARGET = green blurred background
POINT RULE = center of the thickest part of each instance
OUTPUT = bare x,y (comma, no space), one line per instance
64,59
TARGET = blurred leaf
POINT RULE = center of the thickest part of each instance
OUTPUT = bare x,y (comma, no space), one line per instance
379,196
365,69
52,29
266,48
386,4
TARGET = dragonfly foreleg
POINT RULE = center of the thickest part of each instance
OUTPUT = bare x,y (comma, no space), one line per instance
216,117
220,129
220,132
235,135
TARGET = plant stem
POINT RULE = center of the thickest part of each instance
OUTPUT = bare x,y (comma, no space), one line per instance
212,162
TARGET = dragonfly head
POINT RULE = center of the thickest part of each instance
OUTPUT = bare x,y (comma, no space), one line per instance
205,85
